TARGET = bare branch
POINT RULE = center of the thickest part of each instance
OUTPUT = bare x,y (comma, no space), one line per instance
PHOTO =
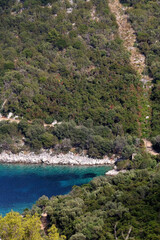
127,237
115,230
130,229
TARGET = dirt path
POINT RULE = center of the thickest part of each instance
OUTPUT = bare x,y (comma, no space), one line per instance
17,121
137,60
149,149
9,119
128,35
44,222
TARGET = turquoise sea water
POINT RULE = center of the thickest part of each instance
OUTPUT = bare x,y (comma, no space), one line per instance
22,185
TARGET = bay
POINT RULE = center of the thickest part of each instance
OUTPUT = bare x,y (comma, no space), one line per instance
21,185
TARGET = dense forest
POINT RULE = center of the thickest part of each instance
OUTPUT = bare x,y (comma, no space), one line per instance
108,208
95,141
64,61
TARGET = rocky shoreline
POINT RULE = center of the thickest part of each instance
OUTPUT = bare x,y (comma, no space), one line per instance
114,172
51,159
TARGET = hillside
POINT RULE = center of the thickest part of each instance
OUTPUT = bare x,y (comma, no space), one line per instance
144,17
94,67
78,63
66,61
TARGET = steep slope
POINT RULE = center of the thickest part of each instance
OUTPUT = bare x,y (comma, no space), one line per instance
65,61
144,17
137,60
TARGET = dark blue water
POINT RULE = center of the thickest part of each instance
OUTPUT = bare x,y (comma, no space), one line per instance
22,185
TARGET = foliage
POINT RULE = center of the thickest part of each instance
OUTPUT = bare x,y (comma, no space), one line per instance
14,226
54,235
97,141
106,208
109,207
66,66
17,227
58,61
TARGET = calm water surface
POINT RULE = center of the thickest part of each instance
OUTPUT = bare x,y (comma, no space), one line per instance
22,185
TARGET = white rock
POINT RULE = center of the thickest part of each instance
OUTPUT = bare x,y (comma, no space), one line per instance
47,158
10,115
54,122
71,2
69,10
114,172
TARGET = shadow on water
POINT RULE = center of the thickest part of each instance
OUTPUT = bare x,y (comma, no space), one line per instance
89,175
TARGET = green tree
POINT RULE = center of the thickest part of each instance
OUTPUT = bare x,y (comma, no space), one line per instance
11,227
48,140
16,227
54,235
